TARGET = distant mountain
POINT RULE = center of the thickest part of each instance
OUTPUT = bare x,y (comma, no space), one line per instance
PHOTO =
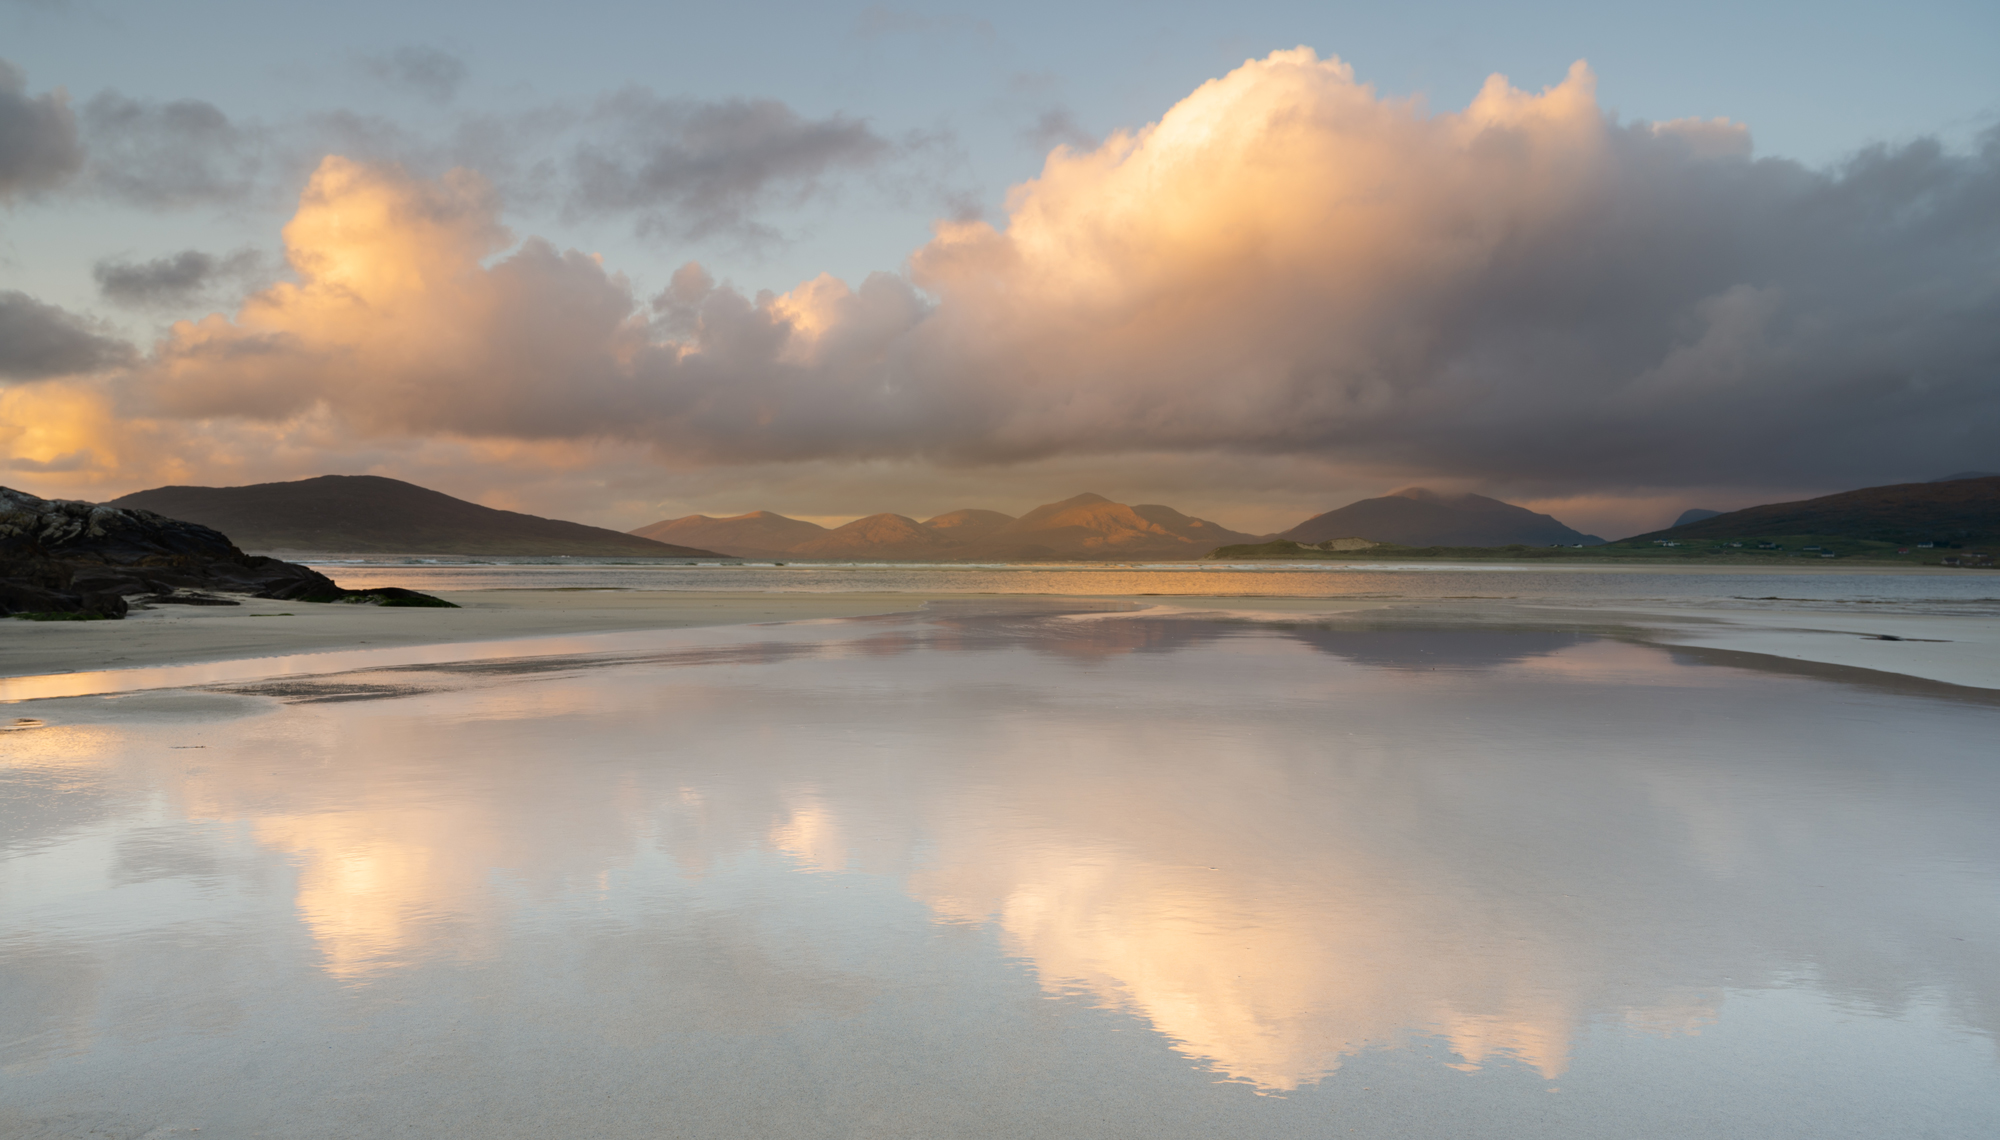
368,514
1419,517
759,534
1085,527
969,525
1966,475
1695,514
1956,510
880,536
1092,526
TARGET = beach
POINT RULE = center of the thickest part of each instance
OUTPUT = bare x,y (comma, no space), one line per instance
1603,860
1958,647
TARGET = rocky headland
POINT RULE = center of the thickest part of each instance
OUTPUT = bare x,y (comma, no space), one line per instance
62,558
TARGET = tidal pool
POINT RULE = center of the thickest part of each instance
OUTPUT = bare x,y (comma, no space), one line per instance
1006,870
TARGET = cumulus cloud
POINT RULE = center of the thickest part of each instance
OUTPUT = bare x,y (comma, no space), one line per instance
39,340
177,279
39,148
1524,293
424,71
690,168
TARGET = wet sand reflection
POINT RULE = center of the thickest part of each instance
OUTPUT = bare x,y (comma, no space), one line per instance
1278,848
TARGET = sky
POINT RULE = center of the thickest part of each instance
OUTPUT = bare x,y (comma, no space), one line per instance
623,262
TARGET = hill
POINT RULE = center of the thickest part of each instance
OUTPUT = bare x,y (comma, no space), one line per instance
890,537
1085,527
1093,527
1956,511
759,534
1419,517
368,514
969,525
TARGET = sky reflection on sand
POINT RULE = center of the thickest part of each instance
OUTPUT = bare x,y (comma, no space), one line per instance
862,847
1748,587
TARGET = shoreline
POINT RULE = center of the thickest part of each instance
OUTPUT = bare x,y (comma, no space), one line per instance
181,635
1962,652
335,564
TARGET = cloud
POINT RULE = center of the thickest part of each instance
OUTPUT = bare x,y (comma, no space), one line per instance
1525,295
678,168
177,279
171,155
39,149
425,71
39,340
688,168
1057,127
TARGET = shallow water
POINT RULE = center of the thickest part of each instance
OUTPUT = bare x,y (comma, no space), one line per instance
1969,592
989,871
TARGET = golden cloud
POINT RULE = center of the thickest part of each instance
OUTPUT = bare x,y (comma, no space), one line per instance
1286,263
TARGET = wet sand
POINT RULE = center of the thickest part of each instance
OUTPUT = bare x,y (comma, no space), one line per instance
172,635
1949,650
1426,871
1954,650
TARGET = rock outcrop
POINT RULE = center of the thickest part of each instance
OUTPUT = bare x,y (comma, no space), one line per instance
63,557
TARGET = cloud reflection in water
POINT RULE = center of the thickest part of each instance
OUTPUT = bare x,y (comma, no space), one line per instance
1280,848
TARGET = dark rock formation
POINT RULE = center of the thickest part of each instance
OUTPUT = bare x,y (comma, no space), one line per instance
62,557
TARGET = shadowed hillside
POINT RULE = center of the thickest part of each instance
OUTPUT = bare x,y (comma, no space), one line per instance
368,514
1419,517
1957,510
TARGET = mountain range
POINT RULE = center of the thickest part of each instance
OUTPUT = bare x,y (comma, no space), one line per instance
368,514
371,514
1088,527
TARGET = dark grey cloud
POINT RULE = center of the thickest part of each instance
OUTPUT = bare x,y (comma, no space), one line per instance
39,147
39,340
176,154
421,70
177,279
692,169
679,168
